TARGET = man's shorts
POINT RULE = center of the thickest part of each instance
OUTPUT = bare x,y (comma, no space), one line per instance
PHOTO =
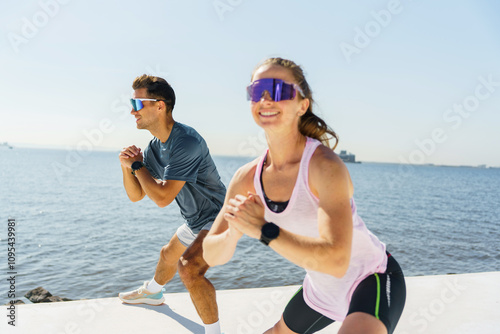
186,235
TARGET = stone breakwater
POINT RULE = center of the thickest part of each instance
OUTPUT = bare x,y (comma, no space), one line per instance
41,295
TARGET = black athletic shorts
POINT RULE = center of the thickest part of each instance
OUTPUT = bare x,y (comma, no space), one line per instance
381,295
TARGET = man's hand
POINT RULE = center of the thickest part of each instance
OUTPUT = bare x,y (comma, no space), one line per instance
129,155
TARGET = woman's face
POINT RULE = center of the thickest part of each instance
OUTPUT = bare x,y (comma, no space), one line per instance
282,115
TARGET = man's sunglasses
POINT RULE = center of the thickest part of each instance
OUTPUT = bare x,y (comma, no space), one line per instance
138,105
278,90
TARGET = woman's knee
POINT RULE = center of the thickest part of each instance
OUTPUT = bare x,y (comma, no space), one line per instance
280,328
359,322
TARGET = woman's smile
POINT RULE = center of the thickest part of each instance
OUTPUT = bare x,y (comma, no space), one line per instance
268,112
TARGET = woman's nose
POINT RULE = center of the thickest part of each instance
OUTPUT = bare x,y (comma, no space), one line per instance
266,96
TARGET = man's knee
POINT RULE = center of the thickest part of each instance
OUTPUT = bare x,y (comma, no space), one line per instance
164,253
191,269
169,255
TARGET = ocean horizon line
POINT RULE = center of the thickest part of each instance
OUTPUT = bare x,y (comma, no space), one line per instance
117,150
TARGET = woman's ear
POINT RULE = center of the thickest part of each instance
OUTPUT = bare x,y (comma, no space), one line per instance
304,105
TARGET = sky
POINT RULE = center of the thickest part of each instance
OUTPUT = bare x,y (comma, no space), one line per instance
409,81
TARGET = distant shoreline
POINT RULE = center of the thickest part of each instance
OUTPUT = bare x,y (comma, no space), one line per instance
108,150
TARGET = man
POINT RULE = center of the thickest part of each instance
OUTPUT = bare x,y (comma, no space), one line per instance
175,165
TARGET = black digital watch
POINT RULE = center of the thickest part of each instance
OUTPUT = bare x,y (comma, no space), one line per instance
269,232
136,165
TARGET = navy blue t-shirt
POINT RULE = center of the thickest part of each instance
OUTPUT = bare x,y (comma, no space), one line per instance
185,157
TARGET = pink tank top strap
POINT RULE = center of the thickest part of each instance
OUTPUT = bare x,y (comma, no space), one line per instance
311,146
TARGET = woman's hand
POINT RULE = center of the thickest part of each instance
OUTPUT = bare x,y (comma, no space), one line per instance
246,214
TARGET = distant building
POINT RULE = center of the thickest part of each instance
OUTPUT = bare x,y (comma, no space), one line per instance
347,157
6,145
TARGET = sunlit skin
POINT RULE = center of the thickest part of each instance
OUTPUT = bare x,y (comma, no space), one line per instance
146,117
174,257
280,121
281,117
329,180
152,117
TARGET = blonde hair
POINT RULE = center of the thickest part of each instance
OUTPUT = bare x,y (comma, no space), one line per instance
310,125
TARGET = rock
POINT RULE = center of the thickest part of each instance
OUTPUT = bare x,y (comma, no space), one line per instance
37,295
51,299
40,295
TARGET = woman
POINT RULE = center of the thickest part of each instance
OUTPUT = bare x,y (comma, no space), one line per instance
297,199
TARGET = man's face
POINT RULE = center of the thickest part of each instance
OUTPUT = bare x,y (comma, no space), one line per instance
147,116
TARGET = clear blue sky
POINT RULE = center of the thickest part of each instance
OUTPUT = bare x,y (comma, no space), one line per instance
400,81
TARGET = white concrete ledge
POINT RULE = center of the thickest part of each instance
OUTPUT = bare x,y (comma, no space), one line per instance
454,304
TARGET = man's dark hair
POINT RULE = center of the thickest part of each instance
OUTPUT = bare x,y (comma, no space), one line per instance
157,88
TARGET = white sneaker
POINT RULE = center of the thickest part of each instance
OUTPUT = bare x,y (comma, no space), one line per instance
142,296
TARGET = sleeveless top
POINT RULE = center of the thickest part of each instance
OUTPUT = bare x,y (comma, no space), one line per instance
325,293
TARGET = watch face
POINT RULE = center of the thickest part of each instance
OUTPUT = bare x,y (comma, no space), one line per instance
137,165
270,231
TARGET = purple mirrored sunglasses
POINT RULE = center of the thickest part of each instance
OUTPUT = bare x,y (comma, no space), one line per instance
277,88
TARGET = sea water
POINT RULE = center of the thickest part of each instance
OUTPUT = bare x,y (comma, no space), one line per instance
78,235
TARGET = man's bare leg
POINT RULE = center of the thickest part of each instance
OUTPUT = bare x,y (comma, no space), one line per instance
192,268
169,258
165,270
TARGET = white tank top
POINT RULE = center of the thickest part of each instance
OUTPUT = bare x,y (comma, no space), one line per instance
324,293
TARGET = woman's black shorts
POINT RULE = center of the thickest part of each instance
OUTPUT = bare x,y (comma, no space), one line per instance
381,295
